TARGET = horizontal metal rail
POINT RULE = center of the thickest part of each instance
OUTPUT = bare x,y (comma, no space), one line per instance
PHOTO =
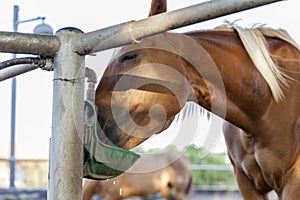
25,43
17,66
212,167
133,31
16,70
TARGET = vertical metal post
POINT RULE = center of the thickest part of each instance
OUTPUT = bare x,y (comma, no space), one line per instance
66,151
12,160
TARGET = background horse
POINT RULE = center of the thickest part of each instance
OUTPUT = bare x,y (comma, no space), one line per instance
167,173
249,77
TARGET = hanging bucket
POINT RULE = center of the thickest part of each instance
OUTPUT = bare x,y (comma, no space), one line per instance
102,161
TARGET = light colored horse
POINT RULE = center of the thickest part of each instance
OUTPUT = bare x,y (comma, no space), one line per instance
249,77
167,173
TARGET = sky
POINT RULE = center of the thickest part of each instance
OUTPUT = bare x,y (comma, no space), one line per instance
34,89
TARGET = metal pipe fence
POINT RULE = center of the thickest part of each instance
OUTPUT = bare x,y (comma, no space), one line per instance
68,48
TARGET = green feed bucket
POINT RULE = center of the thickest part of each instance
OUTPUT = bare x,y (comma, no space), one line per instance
102,161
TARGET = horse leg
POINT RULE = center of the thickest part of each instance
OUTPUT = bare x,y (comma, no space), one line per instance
247,188
187,193
180,196
166,193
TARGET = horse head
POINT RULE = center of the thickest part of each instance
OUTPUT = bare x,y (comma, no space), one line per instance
142,89
140,92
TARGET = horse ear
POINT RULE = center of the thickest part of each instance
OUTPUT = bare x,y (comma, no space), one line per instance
157,7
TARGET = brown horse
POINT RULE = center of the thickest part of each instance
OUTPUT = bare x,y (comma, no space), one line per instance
167,173
249,77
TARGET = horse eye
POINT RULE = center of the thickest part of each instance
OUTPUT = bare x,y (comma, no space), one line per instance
128,57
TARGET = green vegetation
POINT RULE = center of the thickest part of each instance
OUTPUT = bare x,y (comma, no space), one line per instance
205,177
210,177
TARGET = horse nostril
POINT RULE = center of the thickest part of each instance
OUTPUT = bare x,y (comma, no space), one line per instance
128,58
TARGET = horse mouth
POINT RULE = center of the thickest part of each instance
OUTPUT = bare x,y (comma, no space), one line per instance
114,136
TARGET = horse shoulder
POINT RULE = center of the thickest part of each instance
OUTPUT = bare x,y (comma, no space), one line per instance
241,152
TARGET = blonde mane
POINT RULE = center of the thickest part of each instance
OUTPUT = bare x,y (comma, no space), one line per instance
255,44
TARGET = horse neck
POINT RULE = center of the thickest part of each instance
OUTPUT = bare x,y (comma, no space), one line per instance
239,94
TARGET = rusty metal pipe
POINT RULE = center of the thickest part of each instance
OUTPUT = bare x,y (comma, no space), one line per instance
25,43
133,31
